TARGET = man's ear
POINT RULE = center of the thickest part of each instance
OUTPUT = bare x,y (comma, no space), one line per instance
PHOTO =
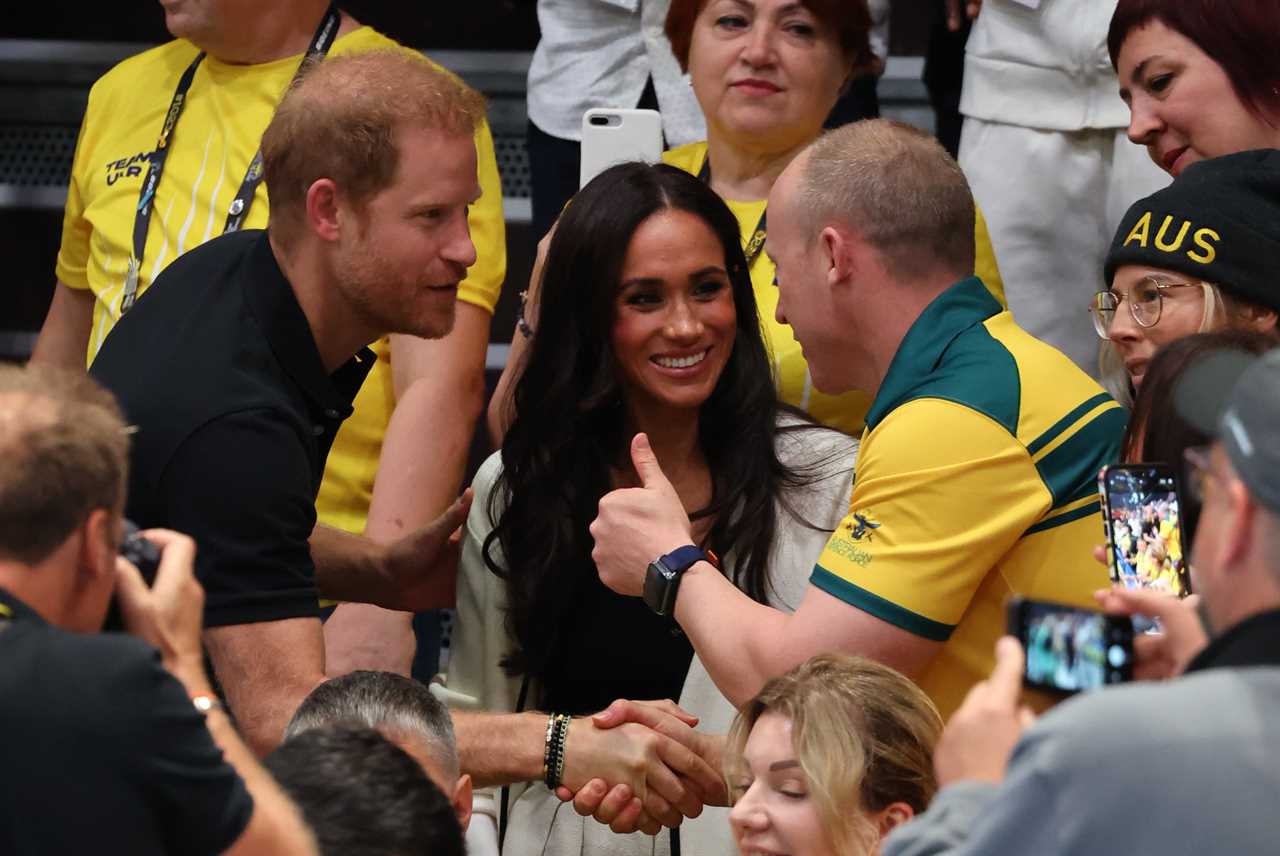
324,215
892,816
1260,318
462,801
98,545
835,247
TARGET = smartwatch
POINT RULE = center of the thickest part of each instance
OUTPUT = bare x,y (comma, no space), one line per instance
662,579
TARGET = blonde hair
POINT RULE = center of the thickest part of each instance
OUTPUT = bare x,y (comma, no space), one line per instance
898,187
1218,311
339,121
863,733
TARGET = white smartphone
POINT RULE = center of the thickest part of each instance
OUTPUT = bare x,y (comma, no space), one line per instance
612,136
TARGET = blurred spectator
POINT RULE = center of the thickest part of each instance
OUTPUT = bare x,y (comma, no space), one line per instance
597,53
242,362
859,99
829,758
110,741
402,710
1067,783
1197,256
1045,153
1201,77
364,796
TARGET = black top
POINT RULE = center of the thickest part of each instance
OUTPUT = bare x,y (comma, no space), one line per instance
1253,642
102,750
608,647
217,367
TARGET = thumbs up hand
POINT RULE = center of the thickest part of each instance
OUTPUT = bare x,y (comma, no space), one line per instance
636,525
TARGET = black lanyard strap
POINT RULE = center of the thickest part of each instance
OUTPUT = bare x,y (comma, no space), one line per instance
238,211
755,243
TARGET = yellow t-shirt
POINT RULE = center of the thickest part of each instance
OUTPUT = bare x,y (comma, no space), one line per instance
844,412
226,111
976,479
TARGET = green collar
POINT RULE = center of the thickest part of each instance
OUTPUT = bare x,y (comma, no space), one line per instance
962,306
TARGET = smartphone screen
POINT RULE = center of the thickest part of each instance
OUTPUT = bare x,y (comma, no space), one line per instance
1070,649
1144,528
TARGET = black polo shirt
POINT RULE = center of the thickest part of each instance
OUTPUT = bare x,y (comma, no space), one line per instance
217,367
102,750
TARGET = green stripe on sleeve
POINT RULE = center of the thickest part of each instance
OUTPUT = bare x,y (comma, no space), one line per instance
1065,518
874,604
1073,466
1066,422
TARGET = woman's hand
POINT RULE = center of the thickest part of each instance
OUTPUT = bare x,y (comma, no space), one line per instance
636,525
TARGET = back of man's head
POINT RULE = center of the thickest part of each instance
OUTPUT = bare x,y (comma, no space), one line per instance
64,453
364,796
401,708
340,119
898,189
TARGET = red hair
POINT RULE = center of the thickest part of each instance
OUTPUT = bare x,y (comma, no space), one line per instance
848,19
1239,35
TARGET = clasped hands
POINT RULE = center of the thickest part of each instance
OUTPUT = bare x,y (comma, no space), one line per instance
639,765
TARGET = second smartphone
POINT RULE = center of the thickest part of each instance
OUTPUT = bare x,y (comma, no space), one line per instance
1143,520
1070,649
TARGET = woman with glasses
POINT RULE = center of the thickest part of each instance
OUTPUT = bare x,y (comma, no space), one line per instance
1200,255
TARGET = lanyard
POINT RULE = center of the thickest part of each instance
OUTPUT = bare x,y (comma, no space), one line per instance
239,208
756,242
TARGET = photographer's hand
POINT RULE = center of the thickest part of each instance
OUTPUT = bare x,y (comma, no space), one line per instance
168,615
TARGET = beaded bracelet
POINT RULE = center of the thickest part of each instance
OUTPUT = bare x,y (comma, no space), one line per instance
553,755
521,324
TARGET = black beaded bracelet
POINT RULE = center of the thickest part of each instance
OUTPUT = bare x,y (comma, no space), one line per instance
553,755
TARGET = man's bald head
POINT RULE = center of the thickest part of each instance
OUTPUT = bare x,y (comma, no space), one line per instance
896,187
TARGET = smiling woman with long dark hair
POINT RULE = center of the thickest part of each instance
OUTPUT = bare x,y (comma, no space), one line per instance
647,323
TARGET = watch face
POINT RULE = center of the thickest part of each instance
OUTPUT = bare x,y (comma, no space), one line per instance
657,584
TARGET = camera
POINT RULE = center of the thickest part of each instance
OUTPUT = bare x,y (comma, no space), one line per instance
145,556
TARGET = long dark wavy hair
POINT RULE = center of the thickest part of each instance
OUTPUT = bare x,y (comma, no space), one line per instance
569,423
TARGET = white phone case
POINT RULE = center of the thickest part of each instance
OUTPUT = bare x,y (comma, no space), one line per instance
612,136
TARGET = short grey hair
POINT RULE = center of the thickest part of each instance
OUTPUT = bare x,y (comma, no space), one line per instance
383,701
899,189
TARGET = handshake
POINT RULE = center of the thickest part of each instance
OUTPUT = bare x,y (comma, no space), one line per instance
639,765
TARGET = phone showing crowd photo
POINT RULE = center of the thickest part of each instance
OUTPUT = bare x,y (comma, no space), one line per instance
612,136
1143,522
1070,649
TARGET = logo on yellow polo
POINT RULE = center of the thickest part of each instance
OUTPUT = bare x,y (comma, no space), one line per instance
862,526
1167,240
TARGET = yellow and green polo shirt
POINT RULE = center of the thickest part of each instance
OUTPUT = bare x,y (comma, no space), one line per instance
976,479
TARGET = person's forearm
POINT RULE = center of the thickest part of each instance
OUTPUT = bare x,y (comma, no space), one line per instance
276,825
442,401
500,748
741,642
349,567
502,406
266,670
64,338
